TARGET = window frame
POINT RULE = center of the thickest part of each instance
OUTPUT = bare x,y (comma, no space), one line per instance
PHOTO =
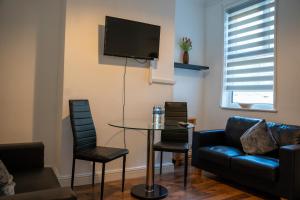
229,105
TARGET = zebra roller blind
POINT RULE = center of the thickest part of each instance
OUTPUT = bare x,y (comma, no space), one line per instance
249,46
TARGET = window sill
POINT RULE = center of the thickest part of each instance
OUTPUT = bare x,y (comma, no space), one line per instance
249,109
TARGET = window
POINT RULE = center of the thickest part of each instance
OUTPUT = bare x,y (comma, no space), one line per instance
249,54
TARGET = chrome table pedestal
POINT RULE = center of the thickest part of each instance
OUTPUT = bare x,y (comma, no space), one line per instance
149,190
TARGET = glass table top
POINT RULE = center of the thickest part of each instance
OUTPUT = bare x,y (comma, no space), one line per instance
148,125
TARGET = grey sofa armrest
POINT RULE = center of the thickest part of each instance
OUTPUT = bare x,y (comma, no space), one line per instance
22,156
50,194
289,159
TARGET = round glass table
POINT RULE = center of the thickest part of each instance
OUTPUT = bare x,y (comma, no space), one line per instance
149,190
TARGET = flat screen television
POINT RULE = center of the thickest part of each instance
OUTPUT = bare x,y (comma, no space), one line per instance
126,38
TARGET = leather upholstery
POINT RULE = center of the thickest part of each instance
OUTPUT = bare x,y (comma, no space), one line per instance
285,134
40,179
289,170
236,127
258,166
49,194
203,139
22,156
85,142
83,128
33,182
171,147
209,138
276,172
101,154
220,155
84,134
175,112
174,140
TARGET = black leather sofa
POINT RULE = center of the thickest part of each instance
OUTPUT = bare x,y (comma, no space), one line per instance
277,173
33,181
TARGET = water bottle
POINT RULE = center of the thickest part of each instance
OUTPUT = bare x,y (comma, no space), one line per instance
158,114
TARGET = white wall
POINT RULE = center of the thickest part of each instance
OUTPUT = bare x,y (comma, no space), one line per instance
30,60
189,87
31,73
88,74
288,48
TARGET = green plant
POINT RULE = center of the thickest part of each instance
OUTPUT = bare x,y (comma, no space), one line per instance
185,44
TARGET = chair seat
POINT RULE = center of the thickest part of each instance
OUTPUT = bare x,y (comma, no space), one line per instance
257,166
219,154
171,147
101,154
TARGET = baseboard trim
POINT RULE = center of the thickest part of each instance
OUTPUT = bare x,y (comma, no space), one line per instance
111,175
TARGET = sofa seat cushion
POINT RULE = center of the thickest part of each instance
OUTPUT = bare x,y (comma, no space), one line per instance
257,166
35,179
219,154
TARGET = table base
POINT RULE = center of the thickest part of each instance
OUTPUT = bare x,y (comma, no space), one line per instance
139,191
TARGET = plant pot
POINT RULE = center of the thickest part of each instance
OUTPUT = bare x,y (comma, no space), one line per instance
185,57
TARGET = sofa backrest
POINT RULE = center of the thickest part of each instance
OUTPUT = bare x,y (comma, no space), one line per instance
236,127
285,134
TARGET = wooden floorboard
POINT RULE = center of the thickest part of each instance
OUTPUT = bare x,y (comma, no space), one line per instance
204,186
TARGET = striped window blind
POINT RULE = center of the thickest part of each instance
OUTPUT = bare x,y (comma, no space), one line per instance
249,46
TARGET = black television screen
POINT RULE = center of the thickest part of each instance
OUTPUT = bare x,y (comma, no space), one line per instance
131,39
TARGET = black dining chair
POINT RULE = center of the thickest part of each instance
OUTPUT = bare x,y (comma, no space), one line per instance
85,142
175,141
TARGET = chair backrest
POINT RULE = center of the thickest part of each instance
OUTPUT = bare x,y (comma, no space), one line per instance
84,132
175,112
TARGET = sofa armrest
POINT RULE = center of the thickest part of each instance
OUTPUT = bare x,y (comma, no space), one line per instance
206,138
50,194
22,156
289,159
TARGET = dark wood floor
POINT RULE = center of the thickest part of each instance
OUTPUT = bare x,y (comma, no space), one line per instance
200,186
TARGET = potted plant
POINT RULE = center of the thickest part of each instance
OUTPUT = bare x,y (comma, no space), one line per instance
185,45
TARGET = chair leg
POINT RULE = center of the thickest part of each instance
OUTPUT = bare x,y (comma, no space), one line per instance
93,178
123,173
73,171
161,159
102,181
185,168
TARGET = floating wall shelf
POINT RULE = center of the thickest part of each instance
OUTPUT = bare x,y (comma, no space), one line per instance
189,66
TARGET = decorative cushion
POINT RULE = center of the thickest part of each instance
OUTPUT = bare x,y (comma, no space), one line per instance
236,126
7,186
258,139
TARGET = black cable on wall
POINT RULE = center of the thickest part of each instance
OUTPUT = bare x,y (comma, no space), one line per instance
124,95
